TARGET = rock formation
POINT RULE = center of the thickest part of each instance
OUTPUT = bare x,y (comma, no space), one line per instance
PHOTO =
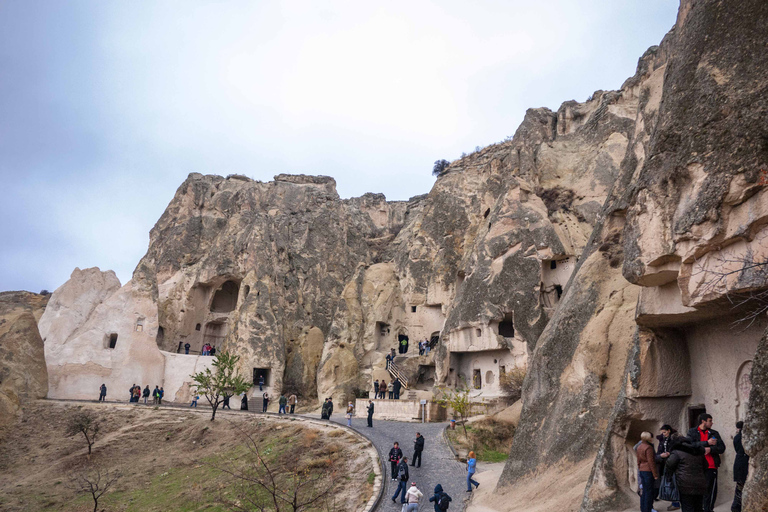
608,247
22,363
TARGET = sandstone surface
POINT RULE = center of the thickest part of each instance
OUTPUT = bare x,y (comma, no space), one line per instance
23,374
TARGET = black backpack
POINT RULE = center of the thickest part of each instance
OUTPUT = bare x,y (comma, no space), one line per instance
443,501
401,473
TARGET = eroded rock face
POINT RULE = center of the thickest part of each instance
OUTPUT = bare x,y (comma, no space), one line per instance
23,374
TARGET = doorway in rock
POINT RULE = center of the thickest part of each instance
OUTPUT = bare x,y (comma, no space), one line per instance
434,338
262,372
402,343
693,415
477,379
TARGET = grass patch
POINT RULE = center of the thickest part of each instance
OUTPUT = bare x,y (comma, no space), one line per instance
371,478
491,440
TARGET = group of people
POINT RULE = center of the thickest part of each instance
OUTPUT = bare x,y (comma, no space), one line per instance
207,350
424,347
687,467
382,389
283,403
135,394
327,409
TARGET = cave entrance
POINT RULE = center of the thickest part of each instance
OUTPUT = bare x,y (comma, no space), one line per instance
507,326
477,379
402,343
110,340
693,415
225,298
262,372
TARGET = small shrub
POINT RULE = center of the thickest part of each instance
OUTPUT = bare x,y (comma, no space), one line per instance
511,382
371,477
440,167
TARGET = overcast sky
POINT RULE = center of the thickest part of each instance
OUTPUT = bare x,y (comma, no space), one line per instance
106,106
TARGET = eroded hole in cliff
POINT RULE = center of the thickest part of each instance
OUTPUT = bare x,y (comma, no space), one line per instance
225,298
110,340
507,326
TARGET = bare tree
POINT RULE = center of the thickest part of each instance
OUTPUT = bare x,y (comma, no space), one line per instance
86,423
224,382
277,486
96,483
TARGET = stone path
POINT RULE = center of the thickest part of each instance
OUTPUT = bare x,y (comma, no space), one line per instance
438,465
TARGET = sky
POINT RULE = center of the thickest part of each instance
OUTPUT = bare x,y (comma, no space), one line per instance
106,107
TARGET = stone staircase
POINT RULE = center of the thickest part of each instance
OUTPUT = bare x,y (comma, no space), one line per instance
395,372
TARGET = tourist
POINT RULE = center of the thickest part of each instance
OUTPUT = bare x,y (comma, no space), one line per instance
156,395
194,401
261,383
688,464
441,499
389,360
103,393
350,413
427,348
160,398
391,390
740,468
130,392
646,471
396,386
404,345
418,447
225,403
392,352
472,467
421,348
265,402
212,351
370,413
412,498
382,389
244,402
376,388
187,346
402,480
330,406
324,410
704,437
281,402
395,454
662,453
204,350
292,401
145,394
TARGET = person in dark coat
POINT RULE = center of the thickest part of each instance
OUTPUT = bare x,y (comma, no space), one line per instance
324,410
330,407
740,468
244,402
225,405
370,413
389,360
376,388
186,348
418,447
396,388
662,453
689,465
395,454
145,393
704,437
402,480
265,402
437,497
103,393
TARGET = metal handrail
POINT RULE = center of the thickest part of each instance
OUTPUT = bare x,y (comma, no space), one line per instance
394,371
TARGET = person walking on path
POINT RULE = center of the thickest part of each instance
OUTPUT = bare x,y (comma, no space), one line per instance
103,393
402,480
689,466
740,468
471,468
225,404
292,402
156,396
391,390
265,402
194,401
370,413
350,413
244,402
261,383
145,394
330,406
324,410
282,402
395,454
160,398
418,447
441,499
412,498
647,472
703,436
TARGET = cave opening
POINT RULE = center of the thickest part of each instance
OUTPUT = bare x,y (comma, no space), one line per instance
225,298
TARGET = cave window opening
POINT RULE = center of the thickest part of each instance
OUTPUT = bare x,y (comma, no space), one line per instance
559,291
247,291
502,370
477,379
413,309
553,264
160,336
140,325
262,372
487,212
434,339
225,298
489,377
507,327
479,332
197,327
110,340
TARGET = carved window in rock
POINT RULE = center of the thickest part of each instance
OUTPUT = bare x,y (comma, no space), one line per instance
110,340
477,379
225,298
489,377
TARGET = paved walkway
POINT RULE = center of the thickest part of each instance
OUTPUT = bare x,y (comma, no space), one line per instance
438,465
